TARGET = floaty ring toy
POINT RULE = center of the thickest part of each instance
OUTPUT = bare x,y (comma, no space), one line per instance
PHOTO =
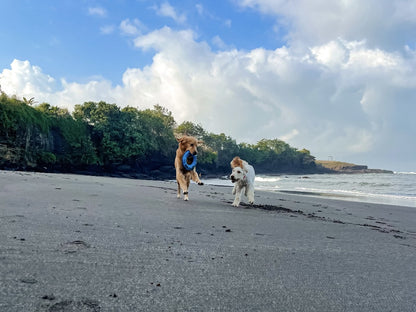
185,162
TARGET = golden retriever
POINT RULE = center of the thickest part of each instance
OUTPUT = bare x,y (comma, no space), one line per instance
183,176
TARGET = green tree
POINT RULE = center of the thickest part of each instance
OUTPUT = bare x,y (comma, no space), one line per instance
306,159
30,101
159,124
191,129
224,147
48,135
106,127
128,135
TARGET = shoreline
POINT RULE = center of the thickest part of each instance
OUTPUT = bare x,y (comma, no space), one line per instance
325,192
87,243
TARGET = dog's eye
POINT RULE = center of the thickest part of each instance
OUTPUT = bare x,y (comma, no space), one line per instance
238,171
192,144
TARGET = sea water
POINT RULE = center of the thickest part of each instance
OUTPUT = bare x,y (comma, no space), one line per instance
398,188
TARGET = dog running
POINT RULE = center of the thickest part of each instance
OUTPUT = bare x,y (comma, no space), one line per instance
242,176
184,176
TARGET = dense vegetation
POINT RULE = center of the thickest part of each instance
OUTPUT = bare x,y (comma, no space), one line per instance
103,138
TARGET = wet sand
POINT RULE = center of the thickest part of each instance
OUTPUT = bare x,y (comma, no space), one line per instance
84,243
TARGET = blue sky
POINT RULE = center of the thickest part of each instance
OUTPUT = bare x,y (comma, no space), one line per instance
336,77
82,39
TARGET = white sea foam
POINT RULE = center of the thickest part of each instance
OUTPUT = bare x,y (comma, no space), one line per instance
267,179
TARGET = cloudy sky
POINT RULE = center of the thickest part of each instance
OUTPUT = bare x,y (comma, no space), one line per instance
337,77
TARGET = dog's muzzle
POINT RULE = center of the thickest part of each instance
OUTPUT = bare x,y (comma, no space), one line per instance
233,179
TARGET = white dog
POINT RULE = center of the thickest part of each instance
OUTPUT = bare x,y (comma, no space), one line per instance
243,178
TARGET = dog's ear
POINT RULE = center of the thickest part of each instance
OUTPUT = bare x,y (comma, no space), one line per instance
179,139
236,162
233,163
245,170
200,142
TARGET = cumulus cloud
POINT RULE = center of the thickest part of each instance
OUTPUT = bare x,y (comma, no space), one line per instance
383,23
26,80
165,9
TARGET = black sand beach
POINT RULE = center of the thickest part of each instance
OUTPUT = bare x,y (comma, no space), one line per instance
84,243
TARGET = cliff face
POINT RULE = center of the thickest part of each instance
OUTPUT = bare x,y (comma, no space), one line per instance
27,149
342,167
366,170
10,156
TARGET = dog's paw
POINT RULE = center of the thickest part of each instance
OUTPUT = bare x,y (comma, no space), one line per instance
235,204
201,183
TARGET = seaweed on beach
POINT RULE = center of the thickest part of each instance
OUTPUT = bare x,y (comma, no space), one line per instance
282,209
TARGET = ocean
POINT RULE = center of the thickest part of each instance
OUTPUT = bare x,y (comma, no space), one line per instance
398,188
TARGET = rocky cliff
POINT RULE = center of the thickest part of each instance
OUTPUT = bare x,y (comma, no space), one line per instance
343,167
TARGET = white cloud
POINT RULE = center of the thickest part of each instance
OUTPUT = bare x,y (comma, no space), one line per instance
107,30
131,28
332,54
341,98
382,23
219,43
26,80
97,11
165,9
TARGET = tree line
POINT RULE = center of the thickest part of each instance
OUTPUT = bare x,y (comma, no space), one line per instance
99,136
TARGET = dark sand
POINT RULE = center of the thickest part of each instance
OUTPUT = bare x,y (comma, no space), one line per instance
83,243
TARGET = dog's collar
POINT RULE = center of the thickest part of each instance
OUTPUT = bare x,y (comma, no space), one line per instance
244,180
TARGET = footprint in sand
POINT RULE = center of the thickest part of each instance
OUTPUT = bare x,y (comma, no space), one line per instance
87,305
74,246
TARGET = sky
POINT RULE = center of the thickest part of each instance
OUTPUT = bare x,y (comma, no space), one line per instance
337,77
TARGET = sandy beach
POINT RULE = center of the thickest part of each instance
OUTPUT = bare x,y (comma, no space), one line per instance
85,243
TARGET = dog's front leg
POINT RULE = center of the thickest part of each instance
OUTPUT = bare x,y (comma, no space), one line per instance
179,189
250,194
195,178
237,199
183,183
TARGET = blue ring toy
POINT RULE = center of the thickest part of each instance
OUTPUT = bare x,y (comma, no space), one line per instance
185,163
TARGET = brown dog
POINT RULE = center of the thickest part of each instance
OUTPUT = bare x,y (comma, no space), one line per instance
183,176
